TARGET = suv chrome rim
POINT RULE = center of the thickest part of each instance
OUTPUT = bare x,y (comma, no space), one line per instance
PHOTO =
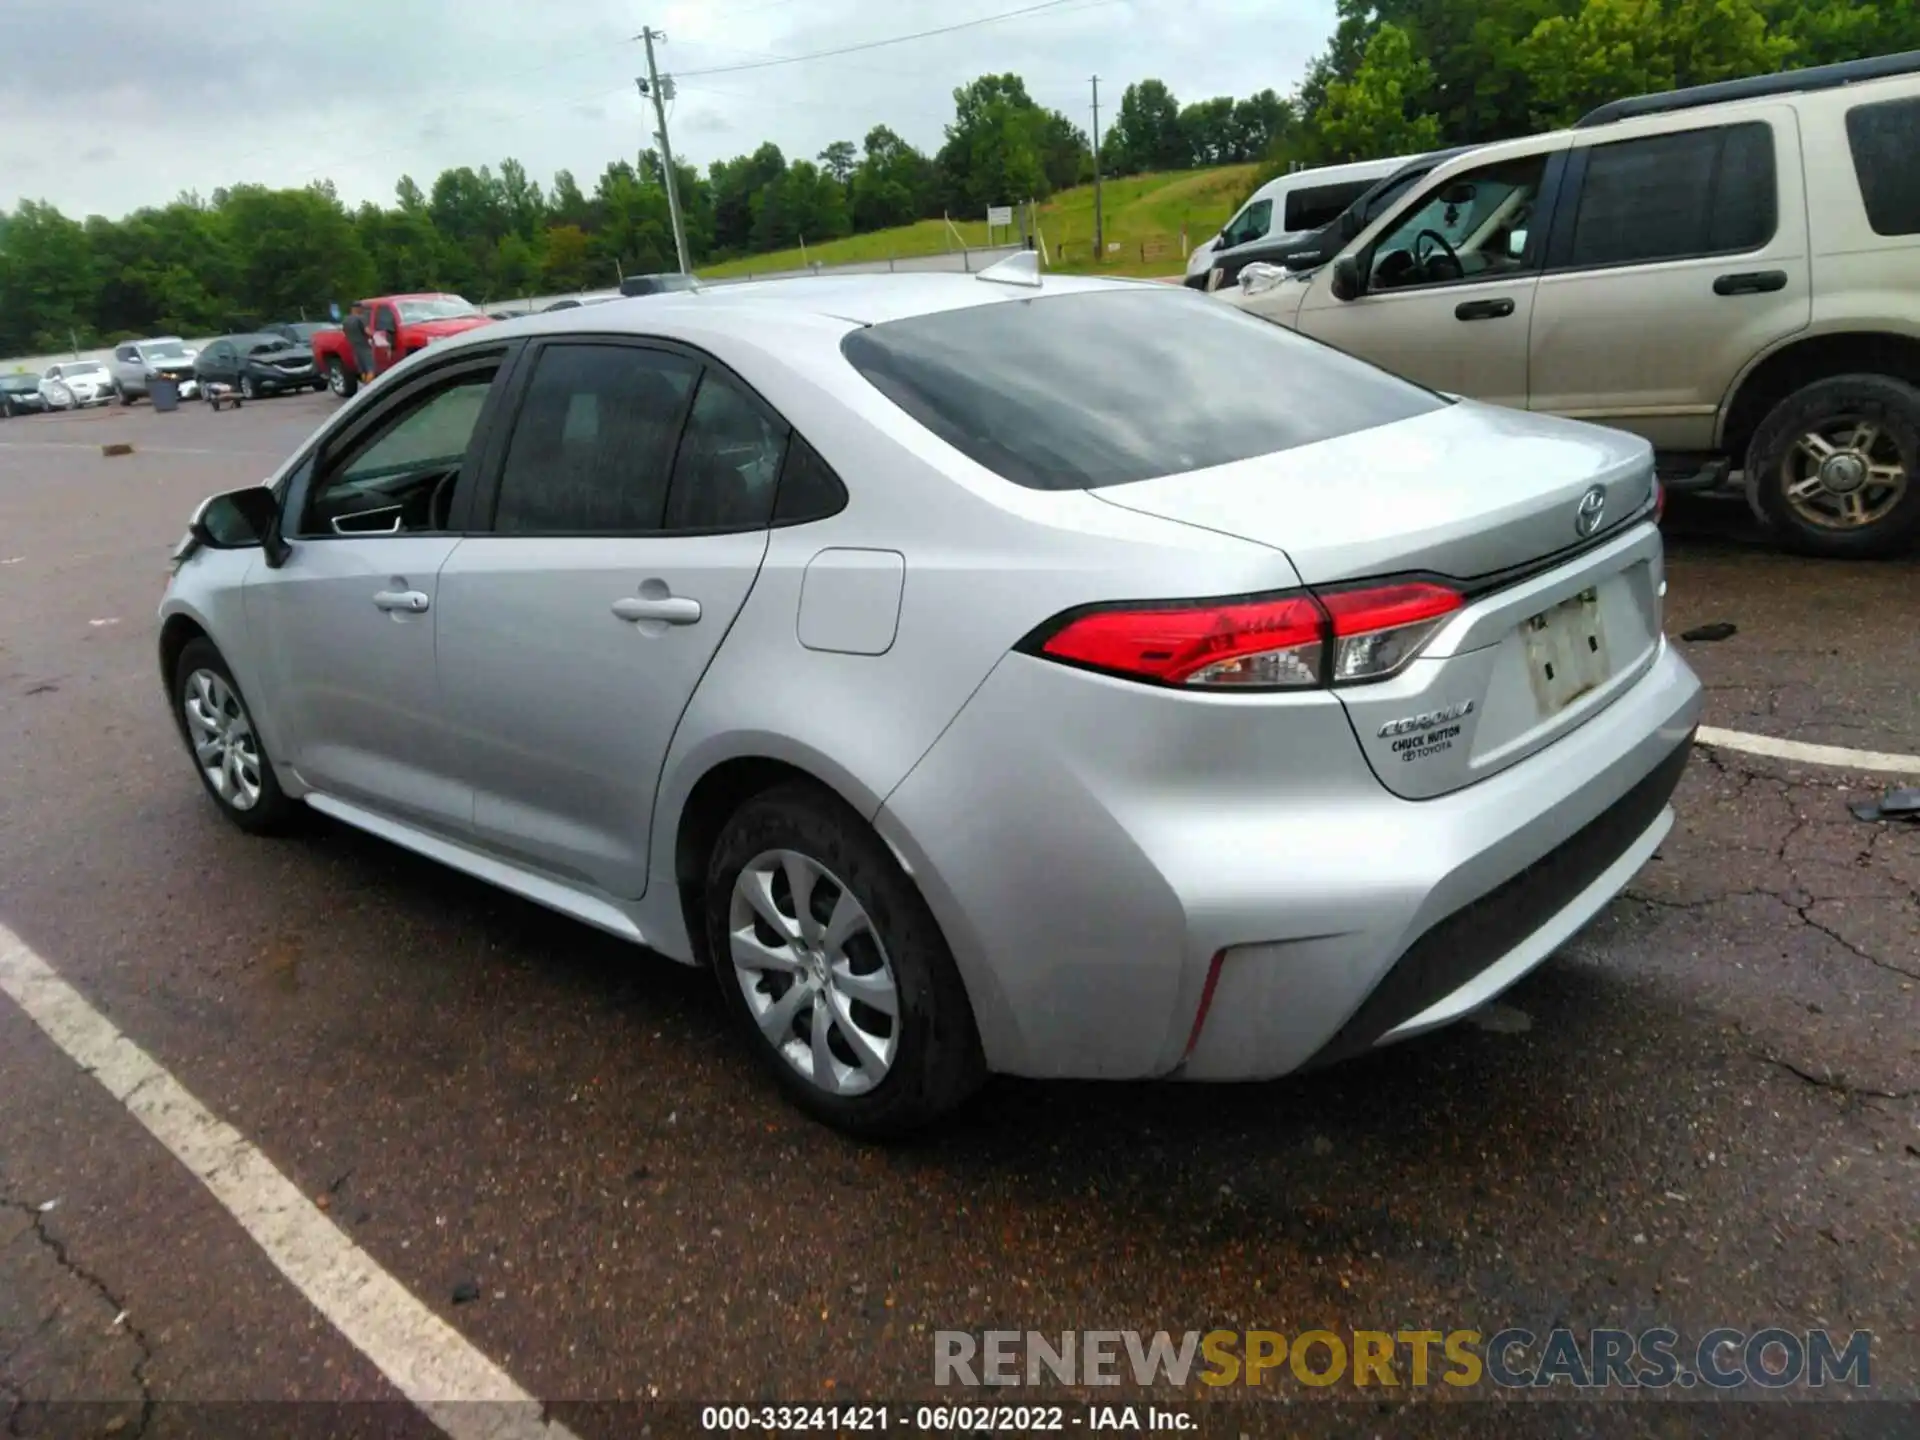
1846,474
223,739
814,972
337,378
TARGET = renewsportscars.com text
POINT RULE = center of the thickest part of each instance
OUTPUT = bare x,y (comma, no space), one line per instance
1659,1358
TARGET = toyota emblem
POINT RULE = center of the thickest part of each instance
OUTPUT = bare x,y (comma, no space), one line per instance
1586,519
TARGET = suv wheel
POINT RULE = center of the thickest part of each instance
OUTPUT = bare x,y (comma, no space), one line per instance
340,380
226,748
830,959
1835,468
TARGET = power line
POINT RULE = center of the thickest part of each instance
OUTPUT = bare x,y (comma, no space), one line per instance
896,39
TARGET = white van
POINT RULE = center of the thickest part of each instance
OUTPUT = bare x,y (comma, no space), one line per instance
1292,205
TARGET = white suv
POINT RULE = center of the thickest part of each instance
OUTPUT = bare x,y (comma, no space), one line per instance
1732,272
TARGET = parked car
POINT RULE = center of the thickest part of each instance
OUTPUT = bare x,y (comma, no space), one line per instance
400,325
663,284
20,395
257,365
1287,208
974,671
75,384
137,364
1315,247
572,302
300,332
1731,272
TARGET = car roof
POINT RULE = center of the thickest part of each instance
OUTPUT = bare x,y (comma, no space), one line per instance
846,300
246,335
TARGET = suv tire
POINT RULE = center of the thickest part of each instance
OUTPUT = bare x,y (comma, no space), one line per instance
935,1061
1849,444
342,381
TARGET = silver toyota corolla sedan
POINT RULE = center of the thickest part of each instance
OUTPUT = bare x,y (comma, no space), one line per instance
981,673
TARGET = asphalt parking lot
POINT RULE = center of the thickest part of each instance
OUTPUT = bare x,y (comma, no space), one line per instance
1705,1112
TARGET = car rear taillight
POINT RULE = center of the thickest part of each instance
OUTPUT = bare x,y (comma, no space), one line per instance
1659,502
1292,640
1377,630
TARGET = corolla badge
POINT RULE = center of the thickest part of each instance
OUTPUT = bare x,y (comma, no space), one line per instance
1586,518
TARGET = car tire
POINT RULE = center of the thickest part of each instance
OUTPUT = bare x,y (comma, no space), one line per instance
120,396
246,388
342,381
208,708
1808,469
928,1061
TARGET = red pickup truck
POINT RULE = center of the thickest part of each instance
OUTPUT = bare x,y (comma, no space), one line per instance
398,326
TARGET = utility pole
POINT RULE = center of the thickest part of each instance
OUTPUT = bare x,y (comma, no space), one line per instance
1099,220
660,94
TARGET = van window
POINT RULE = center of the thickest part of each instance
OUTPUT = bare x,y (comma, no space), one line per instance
1310,207
1884,139
1666,197
1251,223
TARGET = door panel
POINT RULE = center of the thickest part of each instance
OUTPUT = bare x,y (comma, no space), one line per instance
351,659
568,664
1678,257
1465,339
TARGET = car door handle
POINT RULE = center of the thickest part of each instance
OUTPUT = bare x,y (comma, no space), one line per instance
674,609
1753,282
413,602
1483,309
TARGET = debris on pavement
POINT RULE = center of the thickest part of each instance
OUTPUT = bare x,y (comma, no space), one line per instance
466,1292
1718,630
118,448
1892,805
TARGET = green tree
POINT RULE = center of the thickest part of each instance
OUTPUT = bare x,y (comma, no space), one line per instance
1210,133
839,160
293,248
47,282
894,183
1380,110
522,200
569,259
992,155
569,206
1260,122
1828,31
1146,133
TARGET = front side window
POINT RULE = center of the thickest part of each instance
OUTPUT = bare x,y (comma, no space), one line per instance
1472,227
1104,387
399,479
1668,197
1885,140
729,462
1250,224
592,450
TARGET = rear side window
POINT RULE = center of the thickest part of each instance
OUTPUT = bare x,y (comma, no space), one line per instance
1667,197
1885,140
592,449
1310,207
729,462
1078,391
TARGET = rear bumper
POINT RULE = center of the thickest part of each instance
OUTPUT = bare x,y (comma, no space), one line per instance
1100,892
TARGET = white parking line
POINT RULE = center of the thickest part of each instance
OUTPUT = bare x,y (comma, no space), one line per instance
426,1359
1838,756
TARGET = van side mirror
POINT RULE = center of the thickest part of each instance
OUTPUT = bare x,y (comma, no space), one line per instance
240,520
1346,278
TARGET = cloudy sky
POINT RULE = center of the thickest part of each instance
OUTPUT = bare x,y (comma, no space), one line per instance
110,106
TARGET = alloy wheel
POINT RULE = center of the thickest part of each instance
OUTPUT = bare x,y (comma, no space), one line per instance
221,733
1846,474
814,972
246,387
337,378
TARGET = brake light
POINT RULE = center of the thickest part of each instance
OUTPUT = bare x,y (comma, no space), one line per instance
1379,629
1287,641
1659,502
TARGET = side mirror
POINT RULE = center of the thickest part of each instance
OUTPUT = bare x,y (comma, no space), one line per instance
1260,276
240,520
1346,278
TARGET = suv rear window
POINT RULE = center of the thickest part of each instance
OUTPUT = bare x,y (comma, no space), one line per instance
1668,197
1884,139
1104,387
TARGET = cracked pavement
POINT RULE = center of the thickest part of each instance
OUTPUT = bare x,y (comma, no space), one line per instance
1704,1111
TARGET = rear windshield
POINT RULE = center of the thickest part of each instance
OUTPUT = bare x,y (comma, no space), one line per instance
1075,392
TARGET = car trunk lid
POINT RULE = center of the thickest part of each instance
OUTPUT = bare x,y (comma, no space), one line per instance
1561,608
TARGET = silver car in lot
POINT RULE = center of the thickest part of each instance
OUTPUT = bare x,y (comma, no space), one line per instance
1054,677
75,384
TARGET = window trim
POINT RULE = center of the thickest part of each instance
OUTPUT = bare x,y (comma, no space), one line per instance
1547,208
350,429
1560,244
486,490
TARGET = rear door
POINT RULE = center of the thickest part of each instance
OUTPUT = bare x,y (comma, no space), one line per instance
1448,286
1678,257
346,625
628,521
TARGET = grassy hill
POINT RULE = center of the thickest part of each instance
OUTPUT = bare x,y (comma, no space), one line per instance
1144,217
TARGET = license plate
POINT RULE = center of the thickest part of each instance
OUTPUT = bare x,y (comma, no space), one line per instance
1566,652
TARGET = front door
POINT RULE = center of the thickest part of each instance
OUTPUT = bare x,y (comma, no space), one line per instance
1676,258
346,625
386,337
1448,285
573,635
